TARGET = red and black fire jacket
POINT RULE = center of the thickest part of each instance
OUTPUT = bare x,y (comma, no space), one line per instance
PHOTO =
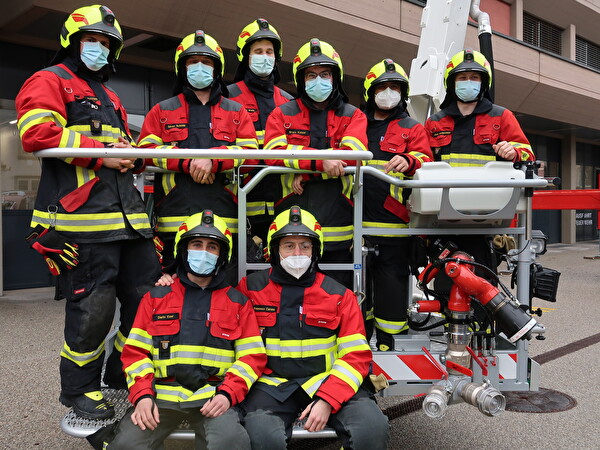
314,335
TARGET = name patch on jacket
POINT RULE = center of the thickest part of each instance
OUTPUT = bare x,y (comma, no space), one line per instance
265,308
441,133
170,126
300,132
171,316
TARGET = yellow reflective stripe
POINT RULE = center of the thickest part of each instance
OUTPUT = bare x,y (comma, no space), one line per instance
301,348
271,208
467,160
69,139
278,141
370,314
81,359
108,132
198,354
352,142
293,163
83,175
352,343
390,326
260,135
119,341
295,147
180,394
420,156
256,208
249,346
396,226
347,374
139,368
168,183
245,372
151,139
170,224
271,381
90,222
347,183
139,338
38,116
338,234
246,142
312,384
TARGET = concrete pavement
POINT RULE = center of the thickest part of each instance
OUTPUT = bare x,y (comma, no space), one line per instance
31,325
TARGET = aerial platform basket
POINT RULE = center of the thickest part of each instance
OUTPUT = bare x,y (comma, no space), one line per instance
469,202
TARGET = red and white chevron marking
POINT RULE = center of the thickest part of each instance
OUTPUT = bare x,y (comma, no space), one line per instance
406,367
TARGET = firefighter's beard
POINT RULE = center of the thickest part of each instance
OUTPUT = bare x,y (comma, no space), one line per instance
295,265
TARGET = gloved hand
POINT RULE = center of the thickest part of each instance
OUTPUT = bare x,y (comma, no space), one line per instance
159,246
504,242
57,252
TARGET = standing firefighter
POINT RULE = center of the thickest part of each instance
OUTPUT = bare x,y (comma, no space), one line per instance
471,131
199,116
89,221
259,49
320,118
399,145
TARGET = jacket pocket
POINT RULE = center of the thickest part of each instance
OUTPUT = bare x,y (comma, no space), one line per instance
225,131
266,315
175,133
225,323
440,136
487,133
323,315
394,143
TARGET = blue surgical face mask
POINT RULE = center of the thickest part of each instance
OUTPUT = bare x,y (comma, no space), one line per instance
200,75
94,55
318,89
262,65
467,90
202,262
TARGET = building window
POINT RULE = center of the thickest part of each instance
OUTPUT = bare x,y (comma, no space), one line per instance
587,53
542,34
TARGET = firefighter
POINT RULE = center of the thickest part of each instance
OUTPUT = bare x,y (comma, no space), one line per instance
470,130
89,221
194,348
259,49
318,355
199,116
320,118
400,146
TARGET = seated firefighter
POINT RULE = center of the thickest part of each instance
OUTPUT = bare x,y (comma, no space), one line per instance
194,349
318,355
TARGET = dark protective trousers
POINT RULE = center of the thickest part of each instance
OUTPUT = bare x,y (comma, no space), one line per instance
388,275
360,424
224,432
126,270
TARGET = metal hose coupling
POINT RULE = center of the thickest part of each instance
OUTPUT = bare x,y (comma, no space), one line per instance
435,403
487,398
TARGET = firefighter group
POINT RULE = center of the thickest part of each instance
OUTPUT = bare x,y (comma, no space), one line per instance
240,360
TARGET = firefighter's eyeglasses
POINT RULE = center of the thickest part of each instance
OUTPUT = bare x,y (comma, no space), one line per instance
289,247
326,75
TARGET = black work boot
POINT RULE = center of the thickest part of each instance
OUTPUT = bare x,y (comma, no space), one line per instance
385,341
91,405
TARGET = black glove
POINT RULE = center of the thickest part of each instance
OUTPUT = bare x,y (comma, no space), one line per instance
57,252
